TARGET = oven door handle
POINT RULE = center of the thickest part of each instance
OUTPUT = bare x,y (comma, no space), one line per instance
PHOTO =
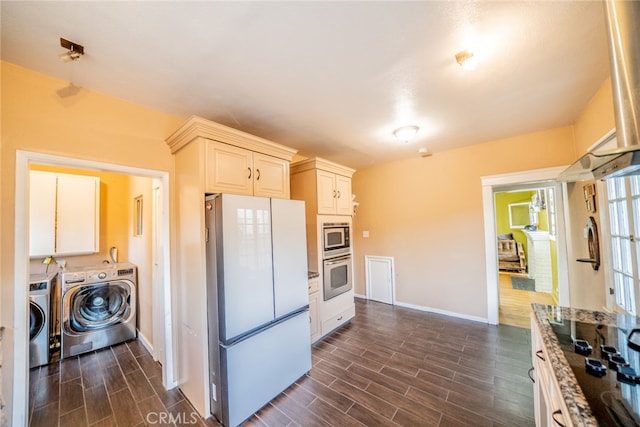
335,261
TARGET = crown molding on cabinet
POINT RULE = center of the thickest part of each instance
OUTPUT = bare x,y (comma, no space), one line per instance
197,127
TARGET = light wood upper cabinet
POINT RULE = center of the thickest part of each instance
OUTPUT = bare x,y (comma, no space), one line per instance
323,185
228,169
64,214
344,204
236,170
271,176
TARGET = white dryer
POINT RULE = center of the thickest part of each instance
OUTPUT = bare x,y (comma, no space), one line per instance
98,307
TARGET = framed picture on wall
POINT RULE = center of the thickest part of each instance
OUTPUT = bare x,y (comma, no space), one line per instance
589,191
519,215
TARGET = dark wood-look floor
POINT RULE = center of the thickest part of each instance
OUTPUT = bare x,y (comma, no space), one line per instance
389,366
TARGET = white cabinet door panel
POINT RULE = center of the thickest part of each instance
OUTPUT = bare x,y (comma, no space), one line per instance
77,229
42,214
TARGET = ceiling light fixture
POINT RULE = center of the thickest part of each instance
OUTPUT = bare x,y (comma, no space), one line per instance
75,50
405,133
467,60
424,152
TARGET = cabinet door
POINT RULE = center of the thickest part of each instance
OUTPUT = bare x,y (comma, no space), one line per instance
271,176
42,214
343,195
326,192
314,316
229,169
77,230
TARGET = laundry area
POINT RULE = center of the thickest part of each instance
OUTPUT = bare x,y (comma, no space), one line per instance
90,270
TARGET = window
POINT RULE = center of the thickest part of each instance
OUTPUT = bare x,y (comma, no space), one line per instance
623,198
551,213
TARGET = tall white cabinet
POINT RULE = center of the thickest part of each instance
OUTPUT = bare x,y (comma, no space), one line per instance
326,189
210,158
64,214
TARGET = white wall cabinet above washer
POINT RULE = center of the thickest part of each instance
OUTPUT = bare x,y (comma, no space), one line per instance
64,214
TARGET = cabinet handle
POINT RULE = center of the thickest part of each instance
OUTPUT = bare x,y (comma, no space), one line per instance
539,354
530,373
257,174
339,318
249,177
338,194
553,415
334,194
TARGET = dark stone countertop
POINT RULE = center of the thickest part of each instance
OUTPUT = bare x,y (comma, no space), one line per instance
579,410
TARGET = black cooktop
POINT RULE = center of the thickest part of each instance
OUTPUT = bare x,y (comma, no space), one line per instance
607,366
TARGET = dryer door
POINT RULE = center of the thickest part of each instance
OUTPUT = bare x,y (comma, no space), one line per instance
95,307
36,320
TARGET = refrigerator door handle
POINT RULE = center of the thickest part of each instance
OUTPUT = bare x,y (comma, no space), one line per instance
235,340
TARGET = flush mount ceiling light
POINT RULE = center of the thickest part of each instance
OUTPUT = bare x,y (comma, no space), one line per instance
75,50
467,60
405,133
424,152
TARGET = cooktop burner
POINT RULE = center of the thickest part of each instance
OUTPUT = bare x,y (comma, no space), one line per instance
607,367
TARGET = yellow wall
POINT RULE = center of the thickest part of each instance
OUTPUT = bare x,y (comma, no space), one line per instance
427,213
596,119
89,126
141,253
502,202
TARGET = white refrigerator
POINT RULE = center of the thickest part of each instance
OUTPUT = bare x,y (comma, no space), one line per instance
258,303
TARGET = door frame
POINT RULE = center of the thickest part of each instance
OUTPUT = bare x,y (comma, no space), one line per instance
21,270
521,180
392,285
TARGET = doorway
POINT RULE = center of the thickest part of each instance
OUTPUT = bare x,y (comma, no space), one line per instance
527,263
161,317
521,181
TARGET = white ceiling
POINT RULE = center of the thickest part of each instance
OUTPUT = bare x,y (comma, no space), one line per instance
332,79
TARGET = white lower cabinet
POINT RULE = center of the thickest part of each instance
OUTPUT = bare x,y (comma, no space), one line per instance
549,406
314,308
338,319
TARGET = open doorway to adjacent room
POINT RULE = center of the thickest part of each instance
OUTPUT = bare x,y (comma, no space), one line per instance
526,229
149,250
531,183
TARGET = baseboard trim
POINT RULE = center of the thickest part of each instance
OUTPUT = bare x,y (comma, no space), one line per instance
433,310
146,344
443,312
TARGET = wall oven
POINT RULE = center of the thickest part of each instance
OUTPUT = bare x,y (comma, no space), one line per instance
335,239
337,276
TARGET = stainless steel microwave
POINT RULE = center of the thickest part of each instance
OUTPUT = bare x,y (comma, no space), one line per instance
336,239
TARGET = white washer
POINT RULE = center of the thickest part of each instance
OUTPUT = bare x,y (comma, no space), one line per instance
98,307
39,318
